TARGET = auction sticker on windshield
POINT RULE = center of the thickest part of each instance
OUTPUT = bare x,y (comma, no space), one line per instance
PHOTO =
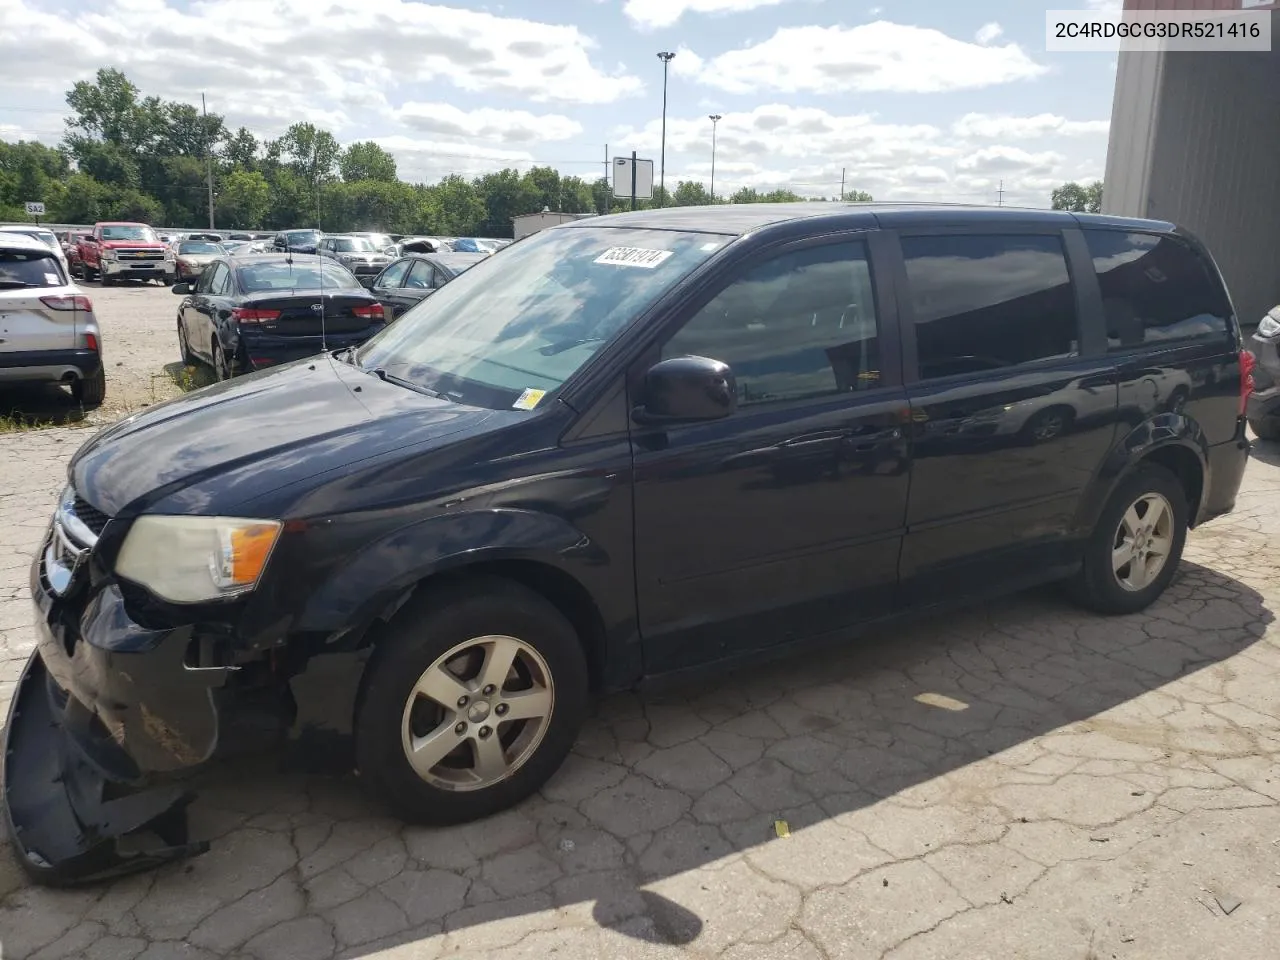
633,257
529,399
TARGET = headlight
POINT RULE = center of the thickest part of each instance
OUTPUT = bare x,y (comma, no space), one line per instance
1270,325
168,255
190,559
108,254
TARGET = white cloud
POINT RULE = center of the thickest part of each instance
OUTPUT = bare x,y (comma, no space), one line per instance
873,57
274,63
503,126
806,148
992,127
988,32
686,63
650,14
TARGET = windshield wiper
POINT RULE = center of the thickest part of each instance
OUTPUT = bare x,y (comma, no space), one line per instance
15,284
382,375
560,347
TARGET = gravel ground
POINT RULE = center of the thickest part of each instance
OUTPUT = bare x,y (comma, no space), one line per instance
1021,780
140,347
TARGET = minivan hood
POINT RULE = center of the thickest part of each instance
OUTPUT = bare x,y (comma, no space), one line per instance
235,441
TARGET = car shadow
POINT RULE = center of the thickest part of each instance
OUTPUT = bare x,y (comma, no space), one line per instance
36,405
1265,451
659,785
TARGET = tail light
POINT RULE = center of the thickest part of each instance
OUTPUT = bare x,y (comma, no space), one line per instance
91,341
368,311
1247,363
68,302
250,315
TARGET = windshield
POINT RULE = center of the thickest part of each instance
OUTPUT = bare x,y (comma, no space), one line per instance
44,236
280,275
28,268
514,328
301,236
358,244
130,232
199,246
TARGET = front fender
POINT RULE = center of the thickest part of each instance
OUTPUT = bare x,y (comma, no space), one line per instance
370,580
1167,430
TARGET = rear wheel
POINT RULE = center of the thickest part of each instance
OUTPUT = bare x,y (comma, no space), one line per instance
225,367
471,702
1136,545
91,391
1265,428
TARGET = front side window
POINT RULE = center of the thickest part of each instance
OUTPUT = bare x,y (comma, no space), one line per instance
1155,289
130,232
797,326
420,277
986,302
393,276
504,336
29,268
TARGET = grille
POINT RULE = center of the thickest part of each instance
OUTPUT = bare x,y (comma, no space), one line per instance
90,516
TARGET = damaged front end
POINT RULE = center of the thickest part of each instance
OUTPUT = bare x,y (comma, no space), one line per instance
104,710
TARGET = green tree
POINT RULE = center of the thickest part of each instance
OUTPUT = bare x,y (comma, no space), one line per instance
690,193
29,171
83,200
506,195
1076,198
858,196
367,161
310,152
241,150
452,208
244,197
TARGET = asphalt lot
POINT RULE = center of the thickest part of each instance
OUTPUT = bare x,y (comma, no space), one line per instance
1021,780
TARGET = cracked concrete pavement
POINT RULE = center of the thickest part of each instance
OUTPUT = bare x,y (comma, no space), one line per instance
1019,780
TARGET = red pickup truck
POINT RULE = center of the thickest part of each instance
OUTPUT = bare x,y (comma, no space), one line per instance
119,250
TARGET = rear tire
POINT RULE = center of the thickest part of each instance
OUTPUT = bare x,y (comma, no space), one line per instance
465,630
225,368
1145,518
1265,428
91,391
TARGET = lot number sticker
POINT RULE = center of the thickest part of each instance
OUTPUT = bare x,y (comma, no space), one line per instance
529,399
633,257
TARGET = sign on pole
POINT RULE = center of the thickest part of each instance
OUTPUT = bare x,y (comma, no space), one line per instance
632,178
35,209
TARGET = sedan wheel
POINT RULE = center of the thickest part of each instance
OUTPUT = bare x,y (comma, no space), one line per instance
478,713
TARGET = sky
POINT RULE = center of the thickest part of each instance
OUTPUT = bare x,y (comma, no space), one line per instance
927,100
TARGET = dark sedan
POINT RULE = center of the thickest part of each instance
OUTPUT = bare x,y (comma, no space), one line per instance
410,279
258,311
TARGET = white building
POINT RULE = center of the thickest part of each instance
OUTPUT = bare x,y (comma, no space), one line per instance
1195,139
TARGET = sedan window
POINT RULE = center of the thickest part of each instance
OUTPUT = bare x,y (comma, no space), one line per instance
255,277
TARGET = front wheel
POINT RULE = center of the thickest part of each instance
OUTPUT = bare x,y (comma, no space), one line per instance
1136,546
472,700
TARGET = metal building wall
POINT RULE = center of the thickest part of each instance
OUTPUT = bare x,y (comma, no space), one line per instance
1194,139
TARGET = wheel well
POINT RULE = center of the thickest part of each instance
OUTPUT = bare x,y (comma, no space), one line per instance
560,589
1184,465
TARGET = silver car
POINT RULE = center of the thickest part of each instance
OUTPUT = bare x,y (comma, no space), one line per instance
357,254
48,332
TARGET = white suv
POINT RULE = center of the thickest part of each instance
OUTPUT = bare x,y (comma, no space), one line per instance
48,332
45,236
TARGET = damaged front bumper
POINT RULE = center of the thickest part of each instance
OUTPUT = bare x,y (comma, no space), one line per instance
103,707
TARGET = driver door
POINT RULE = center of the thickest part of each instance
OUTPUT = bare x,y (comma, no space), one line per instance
785,519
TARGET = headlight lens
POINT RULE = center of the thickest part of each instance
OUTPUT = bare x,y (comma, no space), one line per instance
190,559
108,254
1270,325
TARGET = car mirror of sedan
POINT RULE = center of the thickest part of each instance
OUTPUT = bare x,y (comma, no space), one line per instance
181,289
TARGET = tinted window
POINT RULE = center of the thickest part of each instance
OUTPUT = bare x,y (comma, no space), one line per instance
1155,289
281,275
987,302
420,276
800,325
29,268
129,232
393,276
220,286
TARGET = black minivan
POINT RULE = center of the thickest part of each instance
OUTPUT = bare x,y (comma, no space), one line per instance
628,447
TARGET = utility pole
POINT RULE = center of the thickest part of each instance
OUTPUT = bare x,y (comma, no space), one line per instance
842,184
1000,195
714,118
208,157
608,180
666,57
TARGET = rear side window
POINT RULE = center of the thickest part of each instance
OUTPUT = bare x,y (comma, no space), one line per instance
29,268
1155,289
986,302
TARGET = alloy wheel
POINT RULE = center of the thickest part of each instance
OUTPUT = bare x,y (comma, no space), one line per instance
477,713
1142,542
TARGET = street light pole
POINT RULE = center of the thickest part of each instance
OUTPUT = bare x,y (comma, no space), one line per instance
714,118
666,57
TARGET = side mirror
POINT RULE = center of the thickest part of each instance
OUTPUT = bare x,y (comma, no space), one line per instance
687,389
181,289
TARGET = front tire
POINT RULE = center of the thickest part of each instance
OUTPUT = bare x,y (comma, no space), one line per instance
431,738
184,348
1135,548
